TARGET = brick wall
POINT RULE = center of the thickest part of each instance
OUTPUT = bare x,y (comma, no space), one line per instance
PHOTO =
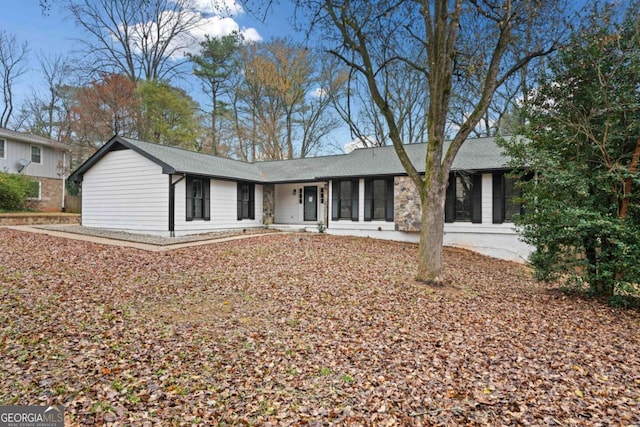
50,195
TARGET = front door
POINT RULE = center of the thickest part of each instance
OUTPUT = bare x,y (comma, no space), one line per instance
311,203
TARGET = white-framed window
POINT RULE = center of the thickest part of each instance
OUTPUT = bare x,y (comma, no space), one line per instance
2,149
36,154
35,190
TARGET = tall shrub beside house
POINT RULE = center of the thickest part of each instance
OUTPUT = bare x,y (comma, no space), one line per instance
14,190
583,213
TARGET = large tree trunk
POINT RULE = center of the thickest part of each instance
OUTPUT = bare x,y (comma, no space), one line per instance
431,236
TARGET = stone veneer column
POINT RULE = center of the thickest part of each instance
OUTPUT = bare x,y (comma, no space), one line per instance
268,203
406,204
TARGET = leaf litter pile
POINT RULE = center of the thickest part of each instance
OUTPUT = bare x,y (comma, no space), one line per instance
304,330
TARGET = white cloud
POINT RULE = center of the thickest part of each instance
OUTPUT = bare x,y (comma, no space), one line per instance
218,26
214,26
251,35
215,21
218,7
359,143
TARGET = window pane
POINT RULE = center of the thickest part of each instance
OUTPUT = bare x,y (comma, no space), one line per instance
379,202
197,188
197,202
245,201
463,197
197,208
1,148
35,154
345,199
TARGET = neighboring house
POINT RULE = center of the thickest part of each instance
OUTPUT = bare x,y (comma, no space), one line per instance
148,188
40,158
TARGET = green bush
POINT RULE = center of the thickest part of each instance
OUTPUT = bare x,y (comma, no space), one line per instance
13,191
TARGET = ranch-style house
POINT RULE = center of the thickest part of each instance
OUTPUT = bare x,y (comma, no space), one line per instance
141,187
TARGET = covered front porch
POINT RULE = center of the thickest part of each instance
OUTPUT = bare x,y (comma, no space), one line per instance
296,206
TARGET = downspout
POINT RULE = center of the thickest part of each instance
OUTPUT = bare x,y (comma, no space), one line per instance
64,179
172,204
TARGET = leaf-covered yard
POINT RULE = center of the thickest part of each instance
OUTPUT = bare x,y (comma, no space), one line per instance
303,330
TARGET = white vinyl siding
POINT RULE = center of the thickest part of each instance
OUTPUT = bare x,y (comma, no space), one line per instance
487,198
50,160
126,191
224,215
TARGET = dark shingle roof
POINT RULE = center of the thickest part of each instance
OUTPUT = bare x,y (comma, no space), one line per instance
307,169
192,162
475,154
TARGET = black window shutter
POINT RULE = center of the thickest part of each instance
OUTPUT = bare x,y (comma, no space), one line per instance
389,200
450,202
354,199
189,194
239,201
368,199
335,200
206,199
252,201
498,198
476,198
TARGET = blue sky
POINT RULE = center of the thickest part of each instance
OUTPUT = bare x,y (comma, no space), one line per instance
53,33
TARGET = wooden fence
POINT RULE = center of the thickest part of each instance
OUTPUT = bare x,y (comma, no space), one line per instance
72,204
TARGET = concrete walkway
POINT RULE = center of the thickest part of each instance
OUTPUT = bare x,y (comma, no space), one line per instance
131,244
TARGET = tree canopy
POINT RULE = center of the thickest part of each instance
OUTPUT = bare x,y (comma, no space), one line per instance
583,124
445,43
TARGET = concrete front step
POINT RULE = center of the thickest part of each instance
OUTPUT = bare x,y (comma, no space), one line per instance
295,228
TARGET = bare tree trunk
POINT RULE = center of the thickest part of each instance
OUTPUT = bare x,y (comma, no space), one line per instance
289,137
431,236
